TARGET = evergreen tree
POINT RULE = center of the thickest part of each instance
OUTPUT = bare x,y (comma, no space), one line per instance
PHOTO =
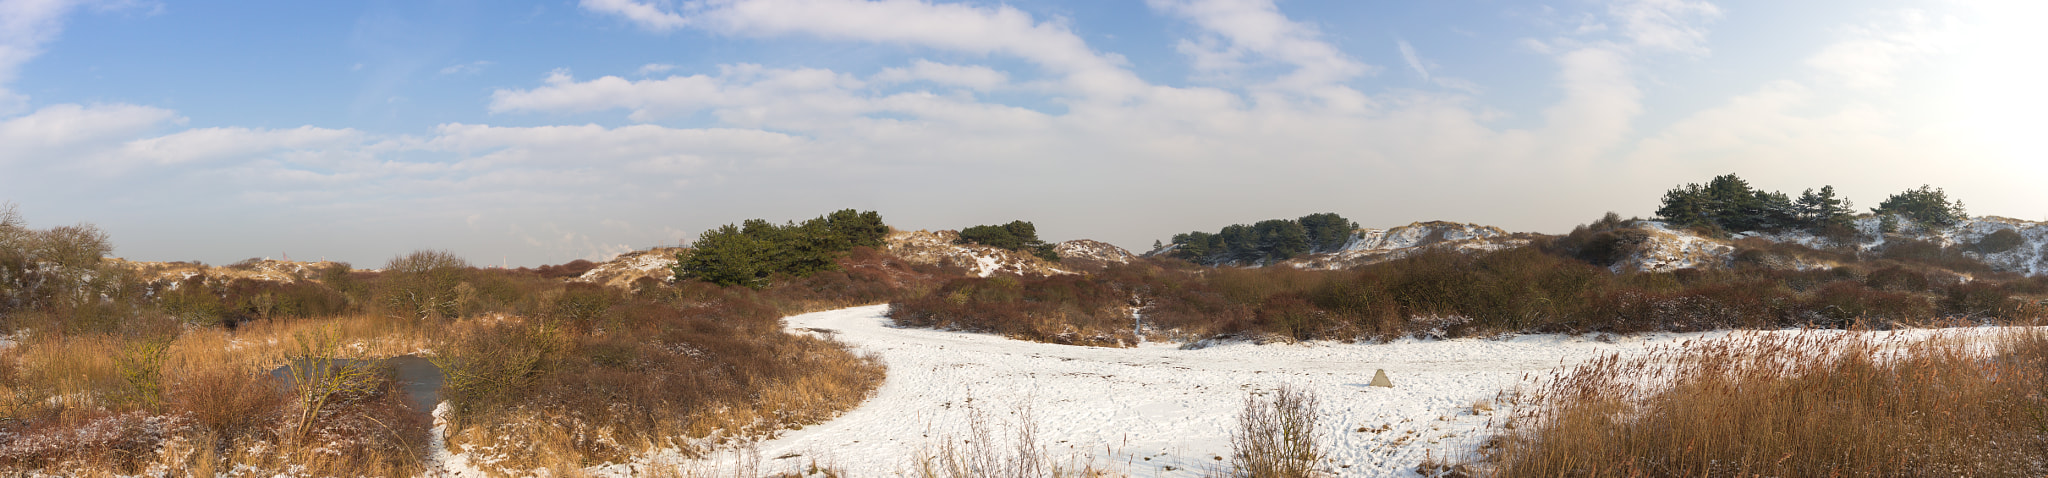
727,256
1328,231
1686,206
1279,239
754,251
1818,210
1015,236
1927,206
1727,203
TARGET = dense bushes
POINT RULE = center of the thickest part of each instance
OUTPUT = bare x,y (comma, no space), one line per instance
1069,309
754,252
1266,241
1015,236
1602,243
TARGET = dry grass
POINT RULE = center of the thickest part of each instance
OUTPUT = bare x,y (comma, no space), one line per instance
199,403
1809,404
1003,450
1276,437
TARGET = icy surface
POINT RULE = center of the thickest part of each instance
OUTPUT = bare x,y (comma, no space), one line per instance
1117,407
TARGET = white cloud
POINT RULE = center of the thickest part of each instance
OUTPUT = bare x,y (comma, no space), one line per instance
1258,27
1667,25
738,89
25,25
952,27
50,133
979,78
470,68
651,69
1870,57
1414,62
1600,103
646,15
211,144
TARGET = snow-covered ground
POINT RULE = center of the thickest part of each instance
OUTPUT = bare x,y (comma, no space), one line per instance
1157,410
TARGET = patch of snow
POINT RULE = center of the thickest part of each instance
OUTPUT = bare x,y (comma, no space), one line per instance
1670,249
1157,410
440,461
986,264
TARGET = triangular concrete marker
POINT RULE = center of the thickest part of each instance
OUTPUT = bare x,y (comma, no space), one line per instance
1379,379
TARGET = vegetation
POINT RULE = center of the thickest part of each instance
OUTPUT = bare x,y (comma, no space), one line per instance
1016,236
1554,285
757,251
1806,404
1925,206
1277,437
1265,241
118,372
1727,204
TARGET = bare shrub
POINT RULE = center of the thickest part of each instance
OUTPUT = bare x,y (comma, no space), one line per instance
424,284
320,378
1278,437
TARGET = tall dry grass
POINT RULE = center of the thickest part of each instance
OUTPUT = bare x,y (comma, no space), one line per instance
200,402
1807,404
1277,437
993,449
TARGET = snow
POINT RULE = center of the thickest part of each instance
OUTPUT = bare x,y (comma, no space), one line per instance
1416,235
1118,407
441,461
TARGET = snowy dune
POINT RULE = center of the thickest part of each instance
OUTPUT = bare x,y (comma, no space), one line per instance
1117,407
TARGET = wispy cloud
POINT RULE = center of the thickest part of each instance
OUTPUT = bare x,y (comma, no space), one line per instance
1256,27
25,26
652,69
1669,25
1414,62
470,68
953,27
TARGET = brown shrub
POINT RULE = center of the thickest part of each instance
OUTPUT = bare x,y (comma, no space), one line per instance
226,401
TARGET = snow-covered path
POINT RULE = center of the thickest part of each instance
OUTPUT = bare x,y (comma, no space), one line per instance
1119,407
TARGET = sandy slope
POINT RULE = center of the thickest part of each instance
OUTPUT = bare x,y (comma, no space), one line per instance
1117,407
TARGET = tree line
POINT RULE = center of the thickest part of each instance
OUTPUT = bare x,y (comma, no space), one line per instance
1271,240
1727,204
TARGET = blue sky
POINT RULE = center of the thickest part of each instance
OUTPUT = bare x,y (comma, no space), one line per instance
540,132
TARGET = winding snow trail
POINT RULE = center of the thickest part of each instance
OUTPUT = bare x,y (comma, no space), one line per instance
1156,410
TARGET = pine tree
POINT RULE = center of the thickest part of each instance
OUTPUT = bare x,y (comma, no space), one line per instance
1818,210
1927,206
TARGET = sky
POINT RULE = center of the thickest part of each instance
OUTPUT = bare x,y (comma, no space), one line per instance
538,132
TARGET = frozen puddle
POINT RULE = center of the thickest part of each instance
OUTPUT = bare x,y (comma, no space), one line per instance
1119,407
